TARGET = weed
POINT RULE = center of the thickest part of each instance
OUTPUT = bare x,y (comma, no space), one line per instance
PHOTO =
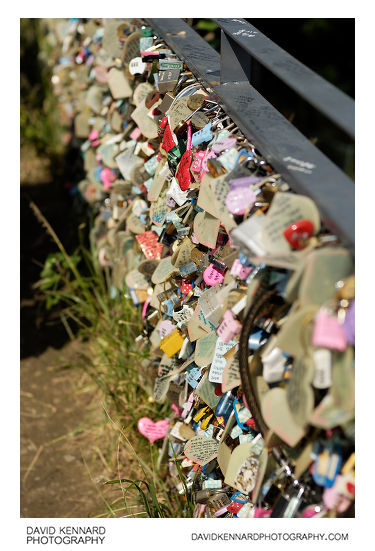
107,326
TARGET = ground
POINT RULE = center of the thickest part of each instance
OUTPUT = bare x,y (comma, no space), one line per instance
58,415
60,408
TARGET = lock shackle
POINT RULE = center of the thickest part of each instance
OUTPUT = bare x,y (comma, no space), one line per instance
188,143
193,113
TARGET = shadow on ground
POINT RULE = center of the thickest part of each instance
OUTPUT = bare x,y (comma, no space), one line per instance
39,328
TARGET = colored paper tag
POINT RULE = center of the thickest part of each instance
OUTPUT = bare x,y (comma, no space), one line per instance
231,375
323,368
206,228
201,450
206,392
205,349
219,362
278,417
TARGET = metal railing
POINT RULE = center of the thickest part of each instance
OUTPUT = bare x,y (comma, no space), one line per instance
229,77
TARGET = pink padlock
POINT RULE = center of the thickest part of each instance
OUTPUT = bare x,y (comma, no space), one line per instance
107,177
170,202
229,327
94,134
328,332
333,499
135,134
260,512
93,137
239,200
204,169
188,405
212,275
197,161
240,270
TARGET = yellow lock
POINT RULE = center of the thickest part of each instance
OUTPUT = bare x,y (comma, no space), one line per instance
204,424
201,413
172,343
349,465
142,295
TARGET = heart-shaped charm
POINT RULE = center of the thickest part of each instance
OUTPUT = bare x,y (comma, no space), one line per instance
298,233
151,430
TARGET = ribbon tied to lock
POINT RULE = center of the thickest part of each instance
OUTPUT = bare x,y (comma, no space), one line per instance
183,175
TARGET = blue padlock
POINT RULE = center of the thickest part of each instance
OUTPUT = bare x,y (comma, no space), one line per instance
257,339
244,260
203,135
187,269
97,173
333,458
243,155
225,406
239,497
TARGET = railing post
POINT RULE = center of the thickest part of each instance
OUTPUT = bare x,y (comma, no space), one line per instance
235,63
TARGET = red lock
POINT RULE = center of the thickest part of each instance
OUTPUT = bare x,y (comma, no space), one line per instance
350,487
234,507
251,423
298,233
162,126
218,389
183,175
168,142
186,286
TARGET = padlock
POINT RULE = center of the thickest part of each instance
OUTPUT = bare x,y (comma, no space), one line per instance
240,270
229,327
168,80
170,65
225,406
172,343
183,172
225,299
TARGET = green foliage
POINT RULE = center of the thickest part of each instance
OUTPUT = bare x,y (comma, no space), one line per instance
39,116
109,323
206,25
153,508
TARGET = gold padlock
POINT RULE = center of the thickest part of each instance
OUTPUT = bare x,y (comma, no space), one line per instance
172,343
201,413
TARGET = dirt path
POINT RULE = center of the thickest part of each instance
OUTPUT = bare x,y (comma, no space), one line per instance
58,416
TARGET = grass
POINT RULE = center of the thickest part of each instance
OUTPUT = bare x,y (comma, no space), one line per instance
107,326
